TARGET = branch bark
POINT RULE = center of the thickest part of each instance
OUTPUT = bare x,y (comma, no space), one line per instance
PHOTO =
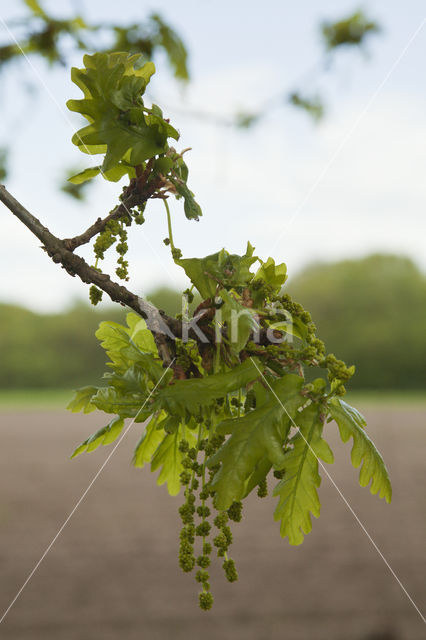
137,193
163,328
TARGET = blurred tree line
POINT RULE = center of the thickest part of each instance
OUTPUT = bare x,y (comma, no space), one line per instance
370,311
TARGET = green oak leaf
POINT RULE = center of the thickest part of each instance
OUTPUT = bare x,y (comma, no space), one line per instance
191,395
240,320
106,435
221,268
297,491
351,424
261,470
259,434
113,175
82,400
149,442
119,125
272,274
126,405
169,458
133,345
191,208
140,334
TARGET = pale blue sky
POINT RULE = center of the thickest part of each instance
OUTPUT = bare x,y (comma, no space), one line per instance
300,192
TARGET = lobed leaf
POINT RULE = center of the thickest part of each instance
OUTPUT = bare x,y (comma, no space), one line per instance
273,274
259,434
298,497
191,395
119,125
169,458
126,405
351,424
221,268
131,346
103,436
149,442
82,400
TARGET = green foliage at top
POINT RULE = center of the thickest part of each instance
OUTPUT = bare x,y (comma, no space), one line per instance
134,141
120,125
351,31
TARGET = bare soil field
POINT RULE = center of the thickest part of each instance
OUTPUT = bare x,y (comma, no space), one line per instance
113,571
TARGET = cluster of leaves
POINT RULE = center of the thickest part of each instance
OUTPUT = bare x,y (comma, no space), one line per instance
249,388
233,413
133,139
351,31
53,39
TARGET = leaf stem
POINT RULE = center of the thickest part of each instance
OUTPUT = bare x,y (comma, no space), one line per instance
169,225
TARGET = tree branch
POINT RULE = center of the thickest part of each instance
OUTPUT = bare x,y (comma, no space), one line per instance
136,193
97,227
163,328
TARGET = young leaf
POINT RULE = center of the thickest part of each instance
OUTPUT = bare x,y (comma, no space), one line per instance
106,435
221,268
351,424
169,458
240,320
191,207
260,472
273,274
140,335
110,400
257,435
297,490
123,351
82,400
191,395
147,445
118,124
113,175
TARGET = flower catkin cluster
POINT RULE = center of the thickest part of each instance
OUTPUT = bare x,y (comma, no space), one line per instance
199,536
